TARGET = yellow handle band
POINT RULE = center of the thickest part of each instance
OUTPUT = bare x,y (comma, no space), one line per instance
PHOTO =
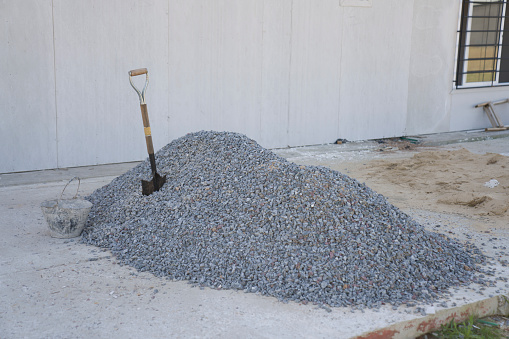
147,131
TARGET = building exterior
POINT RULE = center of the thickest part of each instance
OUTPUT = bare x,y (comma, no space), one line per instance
285,72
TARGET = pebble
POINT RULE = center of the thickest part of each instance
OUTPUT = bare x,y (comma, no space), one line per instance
233,215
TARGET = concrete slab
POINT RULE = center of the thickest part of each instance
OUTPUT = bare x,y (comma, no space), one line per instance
441,139
411,328
62,288
59,174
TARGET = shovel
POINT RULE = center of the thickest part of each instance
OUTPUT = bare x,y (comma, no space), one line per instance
147,187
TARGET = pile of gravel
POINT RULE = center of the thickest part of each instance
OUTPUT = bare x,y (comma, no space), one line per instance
234,215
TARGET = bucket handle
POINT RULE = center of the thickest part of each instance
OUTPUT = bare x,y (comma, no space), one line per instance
79,182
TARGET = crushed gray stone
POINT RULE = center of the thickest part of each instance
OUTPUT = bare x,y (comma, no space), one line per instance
233,215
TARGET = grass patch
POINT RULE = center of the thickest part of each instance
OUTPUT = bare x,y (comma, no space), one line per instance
471,328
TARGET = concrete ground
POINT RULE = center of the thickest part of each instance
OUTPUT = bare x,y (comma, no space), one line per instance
58,288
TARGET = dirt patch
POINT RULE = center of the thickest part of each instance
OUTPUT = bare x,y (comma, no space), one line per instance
395,144
452,181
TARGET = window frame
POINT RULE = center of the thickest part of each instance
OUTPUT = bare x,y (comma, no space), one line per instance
464,34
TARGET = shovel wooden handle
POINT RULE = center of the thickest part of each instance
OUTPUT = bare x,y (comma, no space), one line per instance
146,126
138,71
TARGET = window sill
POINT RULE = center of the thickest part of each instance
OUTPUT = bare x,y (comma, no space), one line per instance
465,90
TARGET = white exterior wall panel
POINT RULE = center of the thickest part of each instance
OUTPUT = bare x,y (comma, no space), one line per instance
463,114
215,66
314,72
96,43
27,86
374,70
289,72
276,58
432,65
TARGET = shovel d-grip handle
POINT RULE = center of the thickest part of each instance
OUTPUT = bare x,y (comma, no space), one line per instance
138,71
144,114
135,72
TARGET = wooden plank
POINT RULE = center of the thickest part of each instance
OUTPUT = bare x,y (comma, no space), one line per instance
500,102
495,129
490,112
483,104
492,115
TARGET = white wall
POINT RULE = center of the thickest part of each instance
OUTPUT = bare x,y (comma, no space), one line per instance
374,70
96,43
216,58
432,63
314,80
465,116
27,86
434,105
287,72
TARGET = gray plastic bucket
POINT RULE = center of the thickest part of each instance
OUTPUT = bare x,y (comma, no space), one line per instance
66,218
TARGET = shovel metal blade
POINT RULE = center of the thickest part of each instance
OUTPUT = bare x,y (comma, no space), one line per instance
149,187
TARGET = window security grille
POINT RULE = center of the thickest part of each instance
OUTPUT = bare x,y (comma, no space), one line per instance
483,55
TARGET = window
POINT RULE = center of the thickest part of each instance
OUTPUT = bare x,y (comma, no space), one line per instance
483,55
